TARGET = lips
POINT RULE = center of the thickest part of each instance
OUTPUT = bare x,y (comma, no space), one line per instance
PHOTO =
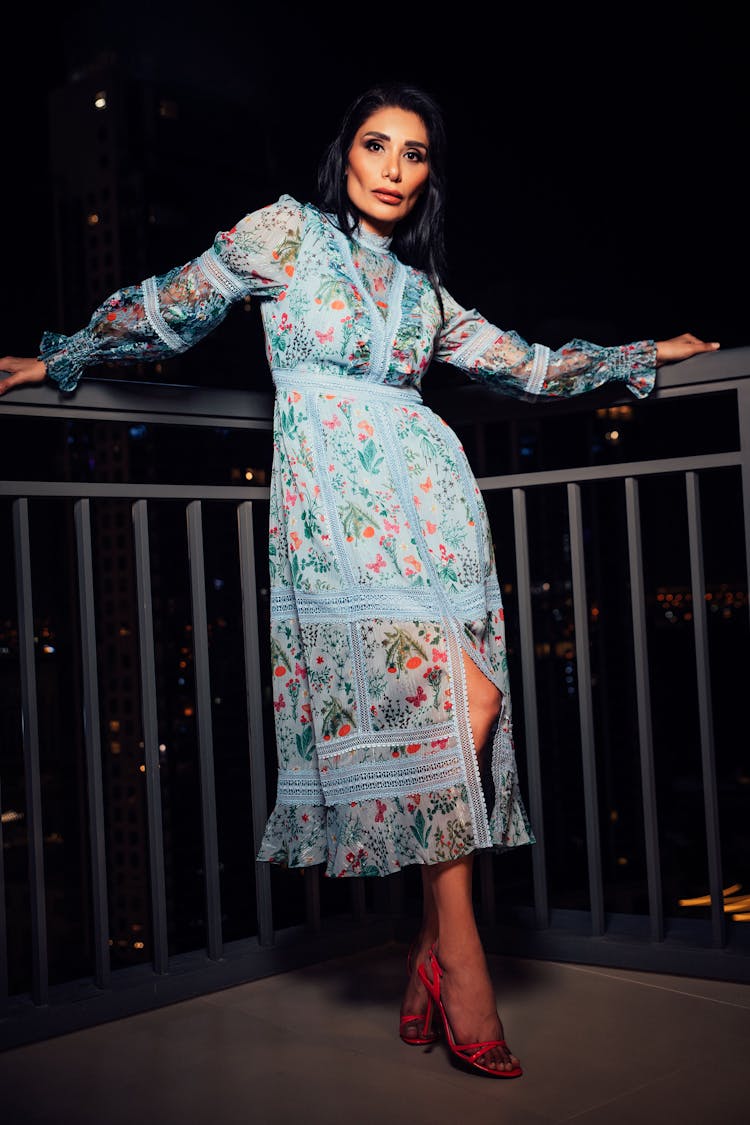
388,196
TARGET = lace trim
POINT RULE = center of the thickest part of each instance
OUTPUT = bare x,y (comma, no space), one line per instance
400,605
303,377
392,779
466,355
229,284
382,332
538,369
299,787
380,243
156,320
480,822
342,559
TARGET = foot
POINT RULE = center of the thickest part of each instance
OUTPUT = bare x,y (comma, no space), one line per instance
469,999
415,997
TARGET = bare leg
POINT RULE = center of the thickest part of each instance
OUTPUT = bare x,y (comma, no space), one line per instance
415,997
466,986
449,921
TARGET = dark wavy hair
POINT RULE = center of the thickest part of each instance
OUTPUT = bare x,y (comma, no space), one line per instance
419,239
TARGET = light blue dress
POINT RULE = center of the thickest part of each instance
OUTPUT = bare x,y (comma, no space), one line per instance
380,551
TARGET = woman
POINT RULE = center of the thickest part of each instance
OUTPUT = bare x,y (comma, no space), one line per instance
387,638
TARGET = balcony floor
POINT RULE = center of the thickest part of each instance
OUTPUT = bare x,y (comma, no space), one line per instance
319,1045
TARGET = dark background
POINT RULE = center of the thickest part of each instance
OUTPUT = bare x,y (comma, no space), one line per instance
596,163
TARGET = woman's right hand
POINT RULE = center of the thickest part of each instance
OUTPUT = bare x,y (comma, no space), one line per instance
20,371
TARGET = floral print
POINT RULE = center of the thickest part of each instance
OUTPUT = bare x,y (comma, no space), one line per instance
382,570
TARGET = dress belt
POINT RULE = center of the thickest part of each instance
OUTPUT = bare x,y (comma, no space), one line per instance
303,378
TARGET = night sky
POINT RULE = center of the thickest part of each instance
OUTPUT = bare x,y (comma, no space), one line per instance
596,170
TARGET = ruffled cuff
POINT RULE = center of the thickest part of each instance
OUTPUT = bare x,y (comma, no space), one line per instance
637,367
65,357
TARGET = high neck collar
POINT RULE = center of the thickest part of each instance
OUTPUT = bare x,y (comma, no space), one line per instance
378,242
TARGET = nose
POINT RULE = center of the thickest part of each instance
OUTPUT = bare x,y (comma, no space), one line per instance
391,168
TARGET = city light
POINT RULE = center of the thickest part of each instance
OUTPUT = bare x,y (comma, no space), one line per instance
100,100
732,901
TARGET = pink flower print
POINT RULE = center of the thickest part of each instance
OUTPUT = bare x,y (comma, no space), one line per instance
366,428
426,485
391,526
325,337
290,498
379,285
439,744
295,541
332,423
378,565
431,528
279,703
439,654
294,396
418,698
412,561
299,670
381,809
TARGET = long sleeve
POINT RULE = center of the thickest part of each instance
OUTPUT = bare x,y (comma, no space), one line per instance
170,313
506,361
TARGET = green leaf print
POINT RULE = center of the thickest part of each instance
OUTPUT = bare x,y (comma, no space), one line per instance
356,522
368,456
336,719
370,869
420,830
278,656
288,422
305,742
401,649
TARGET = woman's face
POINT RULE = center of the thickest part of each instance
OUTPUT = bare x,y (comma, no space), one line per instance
388,167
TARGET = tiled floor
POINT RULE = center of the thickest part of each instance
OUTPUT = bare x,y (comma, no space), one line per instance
320,1046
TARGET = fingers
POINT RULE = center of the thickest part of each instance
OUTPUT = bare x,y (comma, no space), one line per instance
682,347
19,371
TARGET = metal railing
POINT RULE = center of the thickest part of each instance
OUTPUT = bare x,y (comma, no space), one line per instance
540,930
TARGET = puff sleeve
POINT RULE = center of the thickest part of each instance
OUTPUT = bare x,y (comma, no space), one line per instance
167,314
504,360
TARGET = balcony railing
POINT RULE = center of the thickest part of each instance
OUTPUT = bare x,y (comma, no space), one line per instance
91,582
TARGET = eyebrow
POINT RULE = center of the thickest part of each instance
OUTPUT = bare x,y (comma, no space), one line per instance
385,137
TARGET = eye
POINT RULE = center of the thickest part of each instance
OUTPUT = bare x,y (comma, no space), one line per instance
415,156
373,145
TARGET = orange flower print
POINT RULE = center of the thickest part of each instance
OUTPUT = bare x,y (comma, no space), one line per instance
295,540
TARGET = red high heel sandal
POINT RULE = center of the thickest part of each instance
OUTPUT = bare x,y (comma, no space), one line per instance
469,1054
425,1036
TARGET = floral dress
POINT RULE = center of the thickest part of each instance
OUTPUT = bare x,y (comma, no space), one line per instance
381,559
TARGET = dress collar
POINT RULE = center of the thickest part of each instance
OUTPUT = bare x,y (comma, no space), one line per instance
381,243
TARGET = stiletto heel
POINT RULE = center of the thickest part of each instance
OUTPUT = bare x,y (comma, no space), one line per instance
469,1054
425,1036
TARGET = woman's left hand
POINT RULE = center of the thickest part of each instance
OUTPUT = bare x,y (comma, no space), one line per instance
681,347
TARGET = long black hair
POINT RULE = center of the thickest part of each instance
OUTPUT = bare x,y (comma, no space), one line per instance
419,239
